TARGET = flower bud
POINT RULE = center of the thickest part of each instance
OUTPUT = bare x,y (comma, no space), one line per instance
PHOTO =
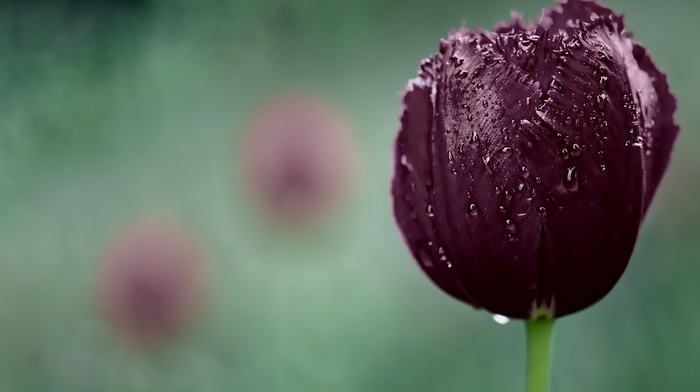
527,158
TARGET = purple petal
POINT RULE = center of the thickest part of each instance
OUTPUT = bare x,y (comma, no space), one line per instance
411,183
650,89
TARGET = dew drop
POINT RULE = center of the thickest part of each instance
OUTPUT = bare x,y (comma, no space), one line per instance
470,117
474,140
507,151
462,74
486,161
603,82
429,211
473,210
538,179
571,179
602,167
507,195
565,153
525,173
425,258
485,103
600,99
500,319
510,225
542,210
449,265
575,150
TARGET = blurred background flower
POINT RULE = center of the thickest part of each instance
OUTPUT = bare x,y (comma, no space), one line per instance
299,158
152,281
112,109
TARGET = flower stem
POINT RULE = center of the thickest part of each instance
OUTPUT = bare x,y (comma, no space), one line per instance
539,350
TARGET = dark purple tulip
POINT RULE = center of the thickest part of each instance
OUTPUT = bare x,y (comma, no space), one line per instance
527,158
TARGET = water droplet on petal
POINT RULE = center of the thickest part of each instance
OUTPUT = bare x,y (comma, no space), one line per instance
473,209
507,151
575,150
602,167
425,259
486,161
600,99
525,172
571,179
603,82
510,225
429,210
474,140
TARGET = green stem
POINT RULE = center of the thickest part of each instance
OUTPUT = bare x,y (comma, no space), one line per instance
539,350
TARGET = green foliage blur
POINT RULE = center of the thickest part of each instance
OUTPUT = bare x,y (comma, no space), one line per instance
114,109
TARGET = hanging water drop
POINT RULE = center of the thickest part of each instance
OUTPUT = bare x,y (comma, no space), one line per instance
500,319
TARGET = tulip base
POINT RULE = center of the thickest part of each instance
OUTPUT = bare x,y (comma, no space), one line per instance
539,353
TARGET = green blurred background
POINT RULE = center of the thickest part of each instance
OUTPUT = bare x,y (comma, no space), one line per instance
113,109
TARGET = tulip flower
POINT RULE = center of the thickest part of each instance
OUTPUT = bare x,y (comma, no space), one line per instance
527,159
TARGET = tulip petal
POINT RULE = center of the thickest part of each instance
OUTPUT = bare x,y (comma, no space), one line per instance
651,93
411,183
656,106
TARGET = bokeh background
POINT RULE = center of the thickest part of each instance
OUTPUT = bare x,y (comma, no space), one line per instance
111,110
